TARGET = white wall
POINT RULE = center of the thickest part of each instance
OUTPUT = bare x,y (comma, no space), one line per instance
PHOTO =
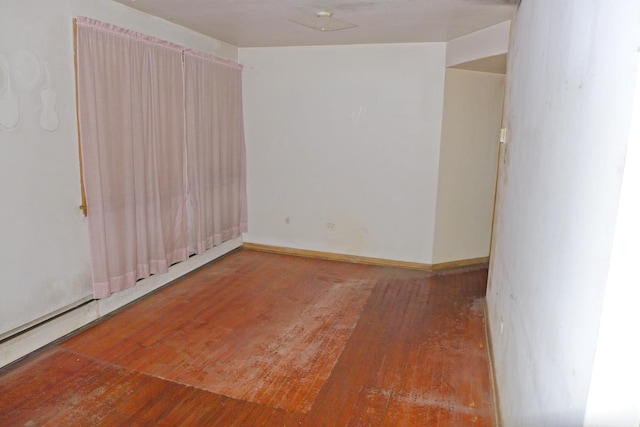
44,261
614,392
569,94
342,146
468,162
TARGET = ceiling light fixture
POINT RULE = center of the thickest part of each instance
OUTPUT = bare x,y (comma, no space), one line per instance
323,21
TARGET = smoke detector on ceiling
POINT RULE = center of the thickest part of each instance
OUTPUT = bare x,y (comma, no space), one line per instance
323,21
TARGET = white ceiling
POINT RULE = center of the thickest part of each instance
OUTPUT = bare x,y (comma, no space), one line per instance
260,23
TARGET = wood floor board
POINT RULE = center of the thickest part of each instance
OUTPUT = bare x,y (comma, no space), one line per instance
260,339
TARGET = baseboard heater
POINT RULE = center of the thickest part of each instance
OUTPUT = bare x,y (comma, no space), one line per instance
16,332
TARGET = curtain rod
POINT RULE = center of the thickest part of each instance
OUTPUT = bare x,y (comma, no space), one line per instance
124,32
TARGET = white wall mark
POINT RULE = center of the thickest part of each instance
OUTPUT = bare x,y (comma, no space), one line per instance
26,68
9,112
48,113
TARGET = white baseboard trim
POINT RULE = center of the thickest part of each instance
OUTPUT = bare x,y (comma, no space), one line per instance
39,336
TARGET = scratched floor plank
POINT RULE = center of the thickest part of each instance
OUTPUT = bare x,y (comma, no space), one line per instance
416,357
260,339
61,388
273,340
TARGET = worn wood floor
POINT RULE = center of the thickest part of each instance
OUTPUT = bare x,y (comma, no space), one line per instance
258,339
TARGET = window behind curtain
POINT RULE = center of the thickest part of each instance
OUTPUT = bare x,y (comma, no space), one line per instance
215,150
135,121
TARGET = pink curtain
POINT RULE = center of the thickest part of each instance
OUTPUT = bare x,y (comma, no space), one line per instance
130,94
215,149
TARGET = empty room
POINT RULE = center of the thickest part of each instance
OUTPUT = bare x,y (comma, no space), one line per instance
319,213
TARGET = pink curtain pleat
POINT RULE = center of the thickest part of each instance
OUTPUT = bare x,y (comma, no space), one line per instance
130,96
215,150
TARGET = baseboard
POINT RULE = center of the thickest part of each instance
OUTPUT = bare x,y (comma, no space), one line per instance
463,263
476,262
39,336
492,373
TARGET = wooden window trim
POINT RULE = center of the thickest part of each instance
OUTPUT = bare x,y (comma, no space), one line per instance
83,194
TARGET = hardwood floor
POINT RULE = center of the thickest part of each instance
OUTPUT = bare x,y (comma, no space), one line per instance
258,339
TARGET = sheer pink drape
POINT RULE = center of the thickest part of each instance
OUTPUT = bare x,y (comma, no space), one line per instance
215,149
130,96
